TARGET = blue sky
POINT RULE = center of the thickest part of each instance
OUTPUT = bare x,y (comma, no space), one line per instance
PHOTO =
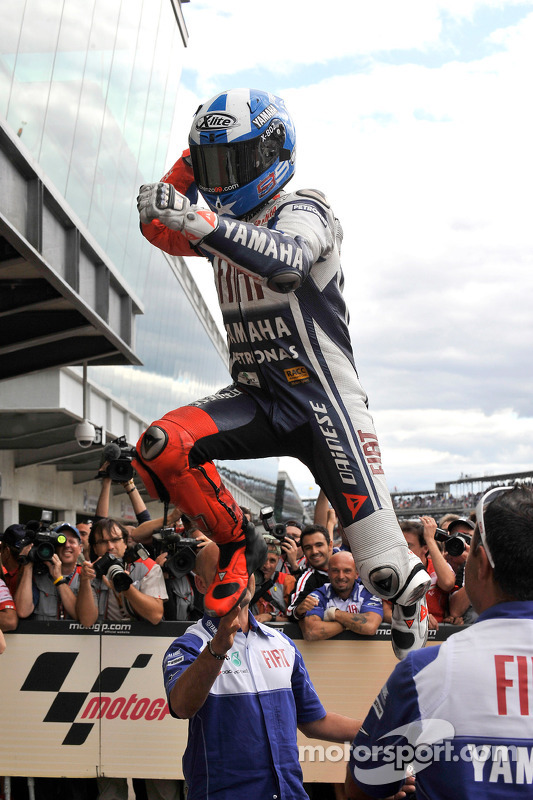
414,117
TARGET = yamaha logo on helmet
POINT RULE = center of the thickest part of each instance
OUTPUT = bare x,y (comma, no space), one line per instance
215,121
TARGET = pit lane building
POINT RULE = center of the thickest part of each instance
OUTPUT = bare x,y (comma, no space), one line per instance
94,322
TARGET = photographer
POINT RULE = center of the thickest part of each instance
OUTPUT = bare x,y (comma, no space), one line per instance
272,597
287,534
113,590
176,548
420,536
460,607
293,559
121,583
48,585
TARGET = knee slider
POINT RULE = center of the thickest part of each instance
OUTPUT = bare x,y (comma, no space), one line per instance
396,575
380,576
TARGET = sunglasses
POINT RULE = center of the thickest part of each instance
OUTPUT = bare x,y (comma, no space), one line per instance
487,498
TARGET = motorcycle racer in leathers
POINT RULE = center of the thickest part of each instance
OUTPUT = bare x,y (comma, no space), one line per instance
276,263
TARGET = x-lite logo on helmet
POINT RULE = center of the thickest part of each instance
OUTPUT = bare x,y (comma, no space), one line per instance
154,442
215,121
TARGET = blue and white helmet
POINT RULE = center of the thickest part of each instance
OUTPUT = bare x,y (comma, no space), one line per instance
243,149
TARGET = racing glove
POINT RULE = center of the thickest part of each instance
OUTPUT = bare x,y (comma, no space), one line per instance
163,202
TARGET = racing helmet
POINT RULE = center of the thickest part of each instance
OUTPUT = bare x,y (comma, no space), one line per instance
243,149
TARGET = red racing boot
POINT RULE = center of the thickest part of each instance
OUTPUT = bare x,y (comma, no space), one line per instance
238,560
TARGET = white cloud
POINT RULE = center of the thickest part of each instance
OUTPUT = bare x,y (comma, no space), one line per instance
429,170
230,38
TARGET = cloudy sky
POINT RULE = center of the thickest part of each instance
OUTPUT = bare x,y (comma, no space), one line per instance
415,118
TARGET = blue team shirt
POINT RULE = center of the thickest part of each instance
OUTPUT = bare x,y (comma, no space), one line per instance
359,601
242,742
461,713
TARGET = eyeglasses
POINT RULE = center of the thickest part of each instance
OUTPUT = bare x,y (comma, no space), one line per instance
114,540
487,498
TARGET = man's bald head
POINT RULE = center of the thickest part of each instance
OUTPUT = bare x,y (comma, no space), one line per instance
342,573
342,558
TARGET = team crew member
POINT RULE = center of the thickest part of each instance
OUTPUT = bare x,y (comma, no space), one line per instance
318,548
342,604
461,712
276,263
236,677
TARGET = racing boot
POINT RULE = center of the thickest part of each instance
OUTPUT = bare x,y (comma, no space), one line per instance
409,628
238,559
383,574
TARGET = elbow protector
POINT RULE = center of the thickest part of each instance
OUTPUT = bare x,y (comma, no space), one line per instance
285,280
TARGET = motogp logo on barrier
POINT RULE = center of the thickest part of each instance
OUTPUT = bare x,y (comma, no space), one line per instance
49,673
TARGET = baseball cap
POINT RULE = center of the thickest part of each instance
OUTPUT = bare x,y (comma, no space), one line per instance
463,521
13,535
66,526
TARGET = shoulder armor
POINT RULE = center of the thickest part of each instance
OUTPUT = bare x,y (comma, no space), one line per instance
314,194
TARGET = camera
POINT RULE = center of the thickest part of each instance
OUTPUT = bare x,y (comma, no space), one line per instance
454,544
278,530
135,552
181,551
85,433
45,542
120,455
113,568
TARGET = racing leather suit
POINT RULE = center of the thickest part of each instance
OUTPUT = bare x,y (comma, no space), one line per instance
296,390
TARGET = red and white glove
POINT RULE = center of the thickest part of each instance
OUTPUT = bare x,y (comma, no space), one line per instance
163,202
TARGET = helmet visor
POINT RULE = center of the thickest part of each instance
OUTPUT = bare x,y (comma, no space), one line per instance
223,167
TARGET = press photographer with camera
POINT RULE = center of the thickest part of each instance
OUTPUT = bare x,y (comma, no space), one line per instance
456,553
49,579
175,549
116,468
274,588
119,582
422,536
288,536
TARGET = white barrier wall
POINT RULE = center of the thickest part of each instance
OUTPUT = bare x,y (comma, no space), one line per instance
80,703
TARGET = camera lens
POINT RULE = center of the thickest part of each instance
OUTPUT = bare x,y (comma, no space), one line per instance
44,551
181,562
121,580
455,546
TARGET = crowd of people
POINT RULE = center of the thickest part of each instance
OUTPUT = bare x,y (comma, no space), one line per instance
308,578
106,570
461,502
102,569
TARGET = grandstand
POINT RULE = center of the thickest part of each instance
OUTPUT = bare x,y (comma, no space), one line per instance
444,499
